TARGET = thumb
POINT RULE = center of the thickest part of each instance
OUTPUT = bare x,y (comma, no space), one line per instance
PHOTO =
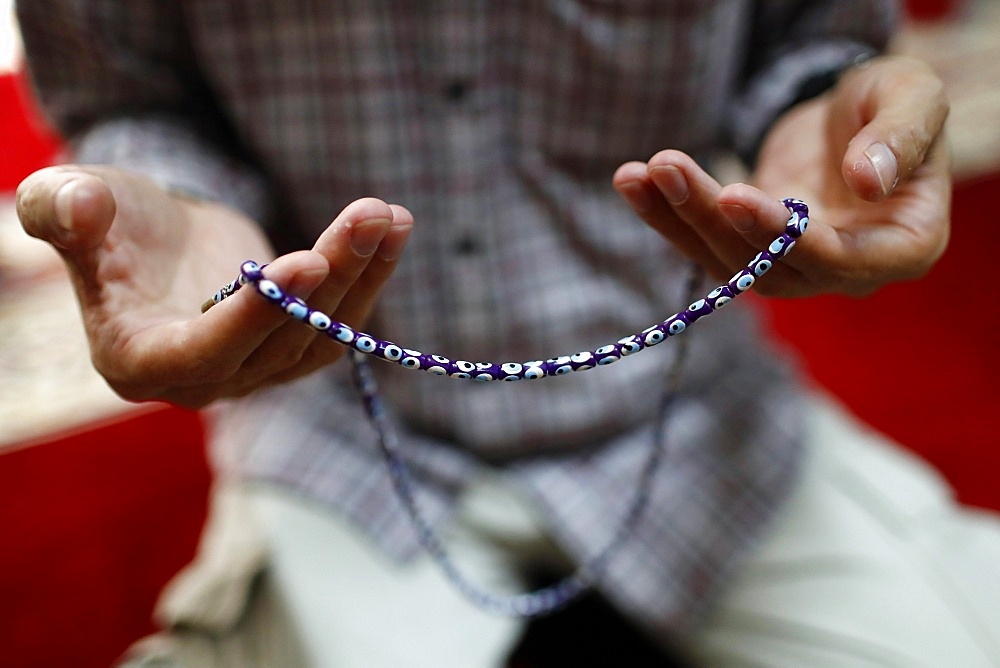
68,207
905,107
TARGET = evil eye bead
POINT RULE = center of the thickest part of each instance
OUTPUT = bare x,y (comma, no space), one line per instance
801,223
583,357
461,375
697,310
410,362
719,297
437,370
270,290
484,377
466,367
781,246
251,271
297,309
511,379
534,373
439,359
559,361
742,281
392,352
761,266
798,219
511,368
607,359
563,370
319,321
653,337
605,350
365,344
492,369
630,345
345,334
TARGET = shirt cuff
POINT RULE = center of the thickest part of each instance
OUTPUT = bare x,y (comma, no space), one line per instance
797,76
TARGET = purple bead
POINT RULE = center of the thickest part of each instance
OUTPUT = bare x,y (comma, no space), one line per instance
698,310
654,335
270,291
251,271
365,344
583,360
741,282
630,345
798,219
720,296
319,321
389,351
412,361
761,264
296,308
676,324
780,246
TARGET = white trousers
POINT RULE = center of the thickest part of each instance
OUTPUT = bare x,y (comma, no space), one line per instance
871,563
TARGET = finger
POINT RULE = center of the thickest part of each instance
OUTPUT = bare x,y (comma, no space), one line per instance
904,109
693,193
193,362
633,182
67,207
349,245
355,307
759,219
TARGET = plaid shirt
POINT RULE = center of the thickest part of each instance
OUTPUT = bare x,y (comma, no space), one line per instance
499,126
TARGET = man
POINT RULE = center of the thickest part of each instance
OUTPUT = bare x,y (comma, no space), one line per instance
221,131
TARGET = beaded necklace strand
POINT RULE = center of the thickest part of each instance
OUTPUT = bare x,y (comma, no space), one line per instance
551,598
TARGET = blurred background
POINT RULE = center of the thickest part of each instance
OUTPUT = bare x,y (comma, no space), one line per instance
102,501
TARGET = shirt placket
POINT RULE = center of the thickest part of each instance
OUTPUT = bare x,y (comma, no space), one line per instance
464,119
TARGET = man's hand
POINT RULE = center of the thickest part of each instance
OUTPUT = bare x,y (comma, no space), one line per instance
143,261
869,159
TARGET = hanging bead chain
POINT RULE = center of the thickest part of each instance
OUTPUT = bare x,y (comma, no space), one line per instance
551,598
295,308
561,593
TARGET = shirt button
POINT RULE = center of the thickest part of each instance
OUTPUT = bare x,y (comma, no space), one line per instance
455,91
466,246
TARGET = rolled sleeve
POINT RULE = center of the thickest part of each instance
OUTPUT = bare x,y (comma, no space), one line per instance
797,49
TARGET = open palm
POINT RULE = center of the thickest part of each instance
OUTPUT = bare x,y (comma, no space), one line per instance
142,262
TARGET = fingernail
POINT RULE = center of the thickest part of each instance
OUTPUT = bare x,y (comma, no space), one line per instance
884,162
63,204
394,242
366,235
673,184
739,217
